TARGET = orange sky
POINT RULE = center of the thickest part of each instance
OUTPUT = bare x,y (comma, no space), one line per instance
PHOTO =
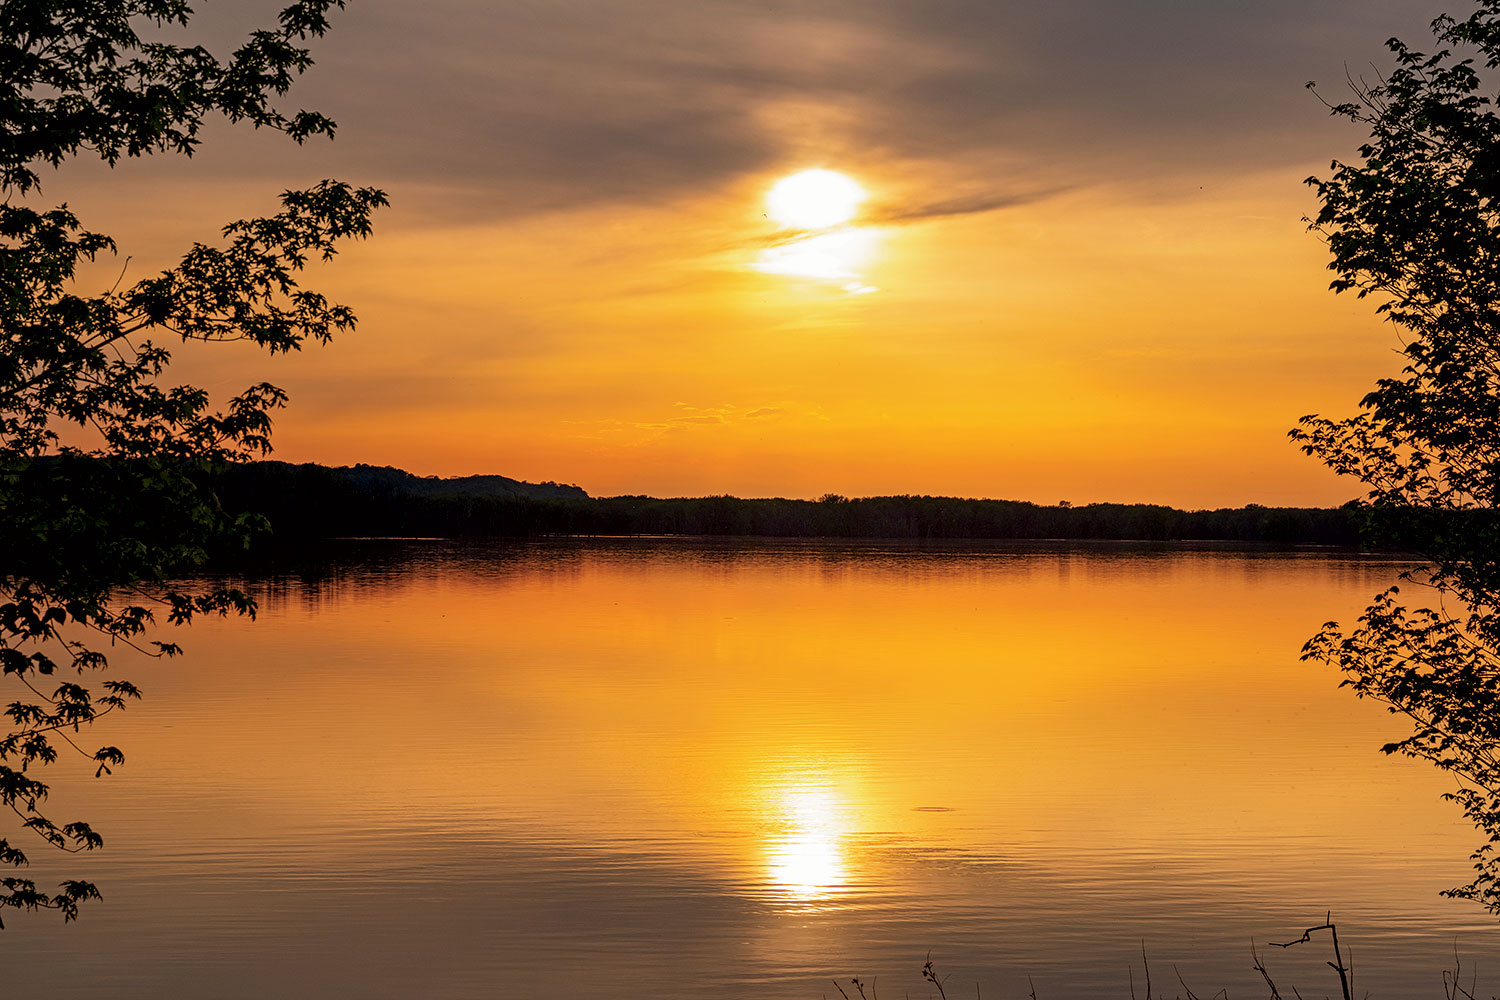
1082,271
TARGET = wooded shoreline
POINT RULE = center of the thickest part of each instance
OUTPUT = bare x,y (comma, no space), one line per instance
313,501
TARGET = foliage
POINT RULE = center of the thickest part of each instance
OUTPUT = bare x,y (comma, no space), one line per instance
100,457
1415,222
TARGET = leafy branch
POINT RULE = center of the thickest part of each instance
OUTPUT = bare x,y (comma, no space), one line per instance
92,535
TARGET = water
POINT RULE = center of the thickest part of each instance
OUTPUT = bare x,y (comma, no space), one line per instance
671,769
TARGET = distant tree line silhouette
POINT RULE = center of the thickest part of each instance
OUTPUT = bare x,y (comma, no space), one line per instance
311,501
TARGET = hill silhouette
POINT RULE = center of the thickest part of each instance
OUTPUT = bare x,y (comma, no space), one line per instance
385,479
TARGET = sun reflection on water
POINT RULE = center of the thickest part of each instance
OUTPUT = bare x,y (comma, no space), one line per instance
805,853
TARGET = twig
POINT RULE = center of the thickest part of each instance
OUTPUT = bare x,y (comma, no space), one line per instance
1452,987
929,974
1338,963
1190,994
1261,968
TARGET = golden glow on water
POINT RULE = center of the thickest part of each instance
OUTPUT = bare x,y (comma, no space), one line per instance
606,697
805,855
1032,747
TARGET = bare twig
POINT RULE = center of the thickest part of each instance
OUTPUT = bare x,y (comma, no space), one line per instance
1187,989
1260,967
1452,986
1337,965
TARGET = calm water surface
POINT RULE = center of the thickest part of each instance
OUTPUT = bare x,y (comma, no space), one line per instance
675,769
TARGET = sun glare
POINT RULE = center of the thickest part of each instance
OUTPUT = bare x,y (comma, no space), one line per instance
806,858
839,256
816,242
814,199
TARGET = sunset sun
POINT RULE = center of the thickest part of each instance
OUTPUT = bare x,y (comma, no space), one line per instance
814,199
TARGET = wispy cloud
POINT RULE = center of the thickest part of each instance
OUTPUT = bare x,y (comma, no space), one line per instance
977,204
685,419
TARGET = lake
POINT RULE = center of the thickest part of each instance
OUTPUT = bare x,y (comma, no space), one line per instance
675,768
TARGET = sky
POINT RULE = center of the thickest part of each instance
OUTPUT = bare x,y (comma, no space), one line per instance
1080,270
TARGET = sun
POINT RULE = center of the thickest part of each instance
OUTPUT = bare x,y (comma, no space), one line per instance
814,199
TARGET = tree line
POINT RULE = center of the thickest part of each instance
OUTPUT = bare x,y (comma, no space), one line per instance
311,501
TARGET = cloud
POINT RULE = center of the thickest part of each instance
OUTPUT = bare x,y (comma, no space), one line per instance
896,212
963,205
683,421
487,110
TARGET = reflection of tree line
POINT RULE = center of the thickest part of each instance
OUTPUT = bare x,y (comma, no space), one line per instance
314,501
